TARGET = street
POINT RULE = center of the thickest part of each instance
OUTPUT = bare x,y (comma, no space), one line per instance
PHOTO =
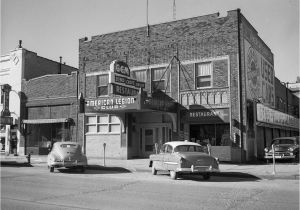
37,188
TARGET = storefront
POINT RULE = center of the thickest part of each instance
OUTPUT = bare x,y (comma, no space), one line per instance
41,134
128,126
270,124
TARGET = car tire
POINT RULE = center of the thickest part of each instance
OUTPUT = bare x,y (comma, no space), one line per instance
82,169
297,157
206,176
51,169
153,170
173,175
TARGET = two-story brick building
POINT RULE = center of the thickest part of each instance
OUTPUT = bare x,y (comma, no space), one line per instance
212,69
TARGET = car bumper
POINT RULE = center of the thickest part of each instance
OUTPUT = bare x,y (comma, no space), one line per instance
280,156
67,164
198,169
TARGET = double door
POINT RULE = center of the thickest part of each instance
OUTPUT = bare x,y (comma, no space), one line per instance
152,137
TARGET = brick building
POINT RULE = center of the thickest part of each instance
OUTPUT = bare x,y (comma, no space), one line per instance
18,65
51,103
211,71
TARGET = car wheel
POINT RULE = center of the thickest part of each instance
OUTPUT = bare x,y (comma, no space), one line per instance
206,176
173,175
82,169
51,169
267,161
153,170
297,158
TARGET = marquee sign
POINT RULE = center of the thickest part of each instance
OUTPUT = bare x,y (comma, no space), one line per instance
122,83
112,104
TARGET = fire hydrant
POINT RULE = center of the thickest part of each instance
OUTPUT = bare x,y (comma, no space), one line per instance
28,158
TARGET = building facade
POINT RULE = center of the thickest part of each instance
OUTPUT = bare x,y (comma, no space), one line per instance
214,69
20,64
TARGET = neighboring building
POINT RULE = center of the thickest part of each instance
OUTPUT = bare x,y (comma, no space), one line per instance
52,107
294,88
215,69
17,65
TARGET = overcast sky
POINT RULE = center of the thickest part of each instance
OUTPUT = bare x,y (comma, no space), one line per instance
52,28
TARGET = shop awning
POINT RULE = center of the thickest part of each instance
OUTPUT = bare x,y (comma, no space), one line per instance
43,121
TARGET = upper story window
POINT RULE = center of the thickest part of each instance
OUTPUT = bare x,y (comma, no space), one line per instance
203,75
102,85
140,75
159,79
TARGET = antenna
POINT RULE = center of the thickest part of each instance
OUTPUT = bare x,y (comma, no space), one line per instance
174,9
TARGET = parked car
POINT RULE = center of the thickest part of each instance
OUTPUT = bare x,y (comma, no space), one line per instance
68,155
183,157
285,148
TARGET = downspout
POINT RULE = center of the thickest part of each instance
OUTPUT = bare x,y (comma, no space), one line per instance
240,83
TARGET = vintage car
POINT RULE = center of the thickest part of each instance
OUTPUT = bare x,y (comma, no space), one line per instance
68,155
183,157
285,148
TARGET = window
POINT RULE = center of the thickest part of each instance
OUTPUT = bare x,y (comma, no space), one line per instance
140,75
102,85
103,124
159,79
203,75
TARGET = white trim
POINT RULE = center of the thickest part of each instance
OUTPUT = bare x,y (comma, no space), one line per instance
97,73
210,59
136,68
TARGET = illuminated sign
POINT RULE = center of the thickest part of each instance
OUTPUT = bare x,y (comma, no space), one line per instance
5,89
112,103
122,83
120,67
124,91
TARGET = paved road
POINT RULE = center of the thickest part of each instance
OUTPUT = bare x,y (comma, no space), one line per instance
36,188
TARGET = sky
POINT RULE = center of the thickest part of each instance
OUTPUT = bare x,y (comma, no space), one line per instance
52,28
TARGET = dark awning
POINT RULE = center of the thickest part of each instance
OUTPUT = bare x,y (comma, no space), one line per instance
43,121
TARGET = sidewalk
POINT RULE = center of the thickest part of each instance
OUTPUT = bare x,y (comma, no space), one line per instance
262,171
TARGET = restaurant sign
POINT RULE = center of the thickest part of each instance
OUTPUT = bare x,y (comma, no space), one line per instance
272,116
207,115
122,83
112,104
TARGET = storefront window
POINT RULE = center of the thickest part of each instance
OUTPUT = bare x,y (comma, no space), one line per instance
103,124
215,134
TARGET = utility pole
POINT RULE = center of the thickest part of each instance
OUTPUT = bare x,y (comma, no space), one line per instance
174,9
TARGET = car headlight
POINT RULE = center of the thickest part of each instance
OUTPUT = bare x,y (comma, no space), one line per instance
266,150
291,149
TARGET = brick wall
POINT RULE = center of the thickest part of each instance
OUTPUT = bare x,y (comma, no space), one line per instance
52,97
192,39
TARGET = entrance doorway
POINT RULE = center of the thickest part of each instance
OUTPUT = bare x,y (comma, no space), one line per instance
152,137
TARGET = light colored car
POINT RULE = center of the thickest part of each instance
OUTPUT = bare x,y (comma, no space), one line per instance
68,155
285,148
183,157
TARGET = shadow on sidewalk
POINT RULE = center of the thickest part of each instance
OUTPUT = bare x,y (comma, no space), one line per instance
15,164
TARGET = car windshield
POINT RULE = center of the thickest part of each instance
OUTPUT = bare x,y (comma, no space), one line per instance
189,148
283,141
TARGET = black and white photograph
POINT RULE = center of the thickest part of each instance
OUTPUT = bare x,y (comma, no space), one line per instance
149,104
